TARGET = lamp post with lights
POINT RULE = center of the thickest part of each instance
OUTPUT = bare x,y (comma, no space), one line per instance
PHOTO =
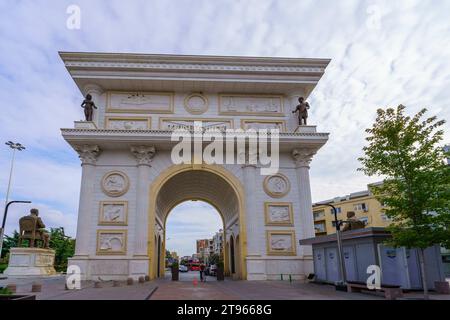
15,146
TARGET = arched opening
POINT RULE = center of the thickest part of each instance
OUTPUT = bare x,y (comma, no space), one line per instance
211,184
194,237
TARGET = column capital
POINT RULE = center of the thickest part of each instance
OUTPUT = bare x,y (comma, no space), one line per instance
144,154
302,157
248,158
88,153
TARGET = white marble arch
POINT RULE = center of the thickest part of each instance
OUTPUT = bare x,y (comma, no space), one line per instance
266,91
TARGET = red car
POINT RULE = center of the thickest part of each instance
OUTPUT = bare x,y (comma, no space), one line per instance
195,268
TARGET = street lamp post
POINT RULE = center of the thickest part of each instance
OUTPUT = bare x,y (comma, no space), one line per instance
340,248
14,146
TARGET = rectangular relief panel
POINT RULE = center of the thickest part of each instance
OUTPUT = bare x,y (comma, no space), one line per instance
281,243
113,213
256,104
188,123
278,214
140,102
263,124
111,242
128,123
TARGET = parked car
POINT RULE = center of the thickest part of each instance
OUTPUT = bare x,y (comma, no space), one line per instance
183,268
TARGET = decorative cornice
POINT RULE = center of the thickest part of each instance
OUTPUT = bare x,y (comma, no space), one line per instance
194,67
302,157
169,132
88,154
144,154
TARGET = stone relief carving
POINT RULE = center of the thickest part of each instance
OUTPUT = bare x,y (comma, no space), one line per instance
281,243
276,185
248,104
249,124
188,124
111,242
128,124
88,154
196,103
113,213
115,183
140,102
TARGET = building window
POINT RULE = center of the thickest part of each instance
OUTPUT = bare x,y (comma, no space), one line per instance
384,217
319,214
360,207
338,210
319,227
365,220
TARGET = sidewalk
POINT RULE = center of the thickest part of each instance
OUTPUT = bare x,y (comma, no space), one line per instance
53,288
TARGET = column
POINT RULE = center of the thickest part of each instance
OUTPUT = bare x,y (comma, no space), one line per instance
144,156
88,155
253,225
302,159
96,92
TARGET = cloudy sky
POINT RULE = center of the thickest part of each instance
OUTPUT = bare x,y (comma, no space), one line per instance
383,53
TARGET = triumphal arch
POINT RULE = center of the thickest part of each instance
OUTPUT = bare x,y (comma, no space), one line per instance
130,180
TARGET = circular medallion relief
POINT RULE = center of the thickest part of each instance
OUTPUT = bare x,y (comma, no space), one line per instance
276,185
115,183
196,103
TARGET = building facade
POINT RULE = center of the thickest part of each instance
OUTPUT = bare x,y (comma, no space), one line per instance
367,208
130,182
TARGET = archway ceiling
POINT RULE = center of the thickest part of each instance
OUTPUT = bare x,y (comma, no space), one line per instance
197,185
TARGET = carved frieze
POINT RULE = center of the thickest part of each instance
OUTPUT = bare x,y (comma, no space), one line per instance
113,213
111,242
280,243
140,102
188,123
128,123
278,213
242,104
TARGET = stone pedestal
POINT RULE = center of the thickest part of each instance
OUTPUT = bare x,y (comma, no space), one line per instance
85,125
25,262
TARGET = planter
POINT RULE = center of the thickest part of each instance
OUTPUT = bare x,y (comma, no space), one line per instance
220,275
17,297
175,273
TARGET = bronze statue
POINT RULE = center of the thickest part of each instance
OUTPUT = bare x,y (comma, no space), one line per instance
88,105
32,228
352,222
302,109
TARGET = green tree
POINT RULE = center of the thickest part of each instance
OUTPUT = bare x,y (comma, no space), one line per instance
416,189
64,247
8,243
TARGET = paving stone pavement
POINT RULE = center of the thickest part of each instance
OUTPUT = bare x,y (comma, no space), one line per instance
53,288
165,289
